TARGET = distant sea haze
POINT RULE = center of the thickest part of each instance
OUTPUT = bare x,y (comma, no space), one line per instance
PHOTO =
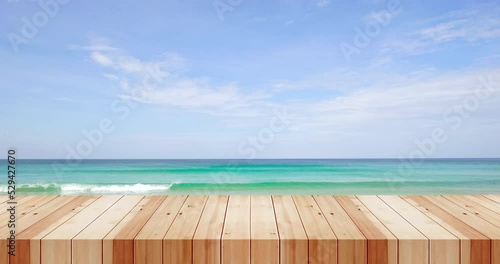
210,177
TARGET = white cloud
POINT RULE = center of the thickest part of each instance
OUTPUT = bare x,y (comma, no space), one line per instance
419,101
350,102
162,82
464,25
322,3
101,58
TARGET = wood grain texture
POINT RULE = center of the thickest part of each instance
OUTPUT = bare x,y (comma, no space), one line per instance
118,245
38,213
24,207
56,246
474,246
476,222
177,244
236,233
484,202
412,245
255,229
206,241
322,240
444,247
382,246
351,242
293,238
495,198
476,209
264,232
30,239
4,198
149,242
87,245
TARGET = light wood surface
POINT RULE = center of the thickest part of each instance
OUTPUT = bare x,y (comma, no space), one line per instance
149,241
177,244
56,246
382,246
254,229
351,242
476,208
236,235
87,245
474,246
412,245
264,232
118,245
485,202
30,238
495,198
322,240
473,220
293,238
206,241
25,207
444,247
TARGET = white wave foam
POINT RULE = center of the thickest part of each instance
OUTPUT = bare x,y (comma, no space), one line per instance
4,188
135,188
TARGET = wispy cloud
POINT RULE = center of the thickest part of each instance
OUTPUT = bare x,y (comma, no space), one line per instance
322,3
172,87
349,99
464,25
419,101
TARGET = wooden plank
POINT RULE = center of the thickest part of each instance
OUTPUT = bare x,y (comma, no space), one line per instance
476,222
293,238
322,240
413,246
382,245
476,209
351,242
25,207
495,198
118,245
19,200
231,229
474,246
485,202
29,240
4,199
177,244
236,234
87,245
444,247
264,243
149,242
206,241
56,246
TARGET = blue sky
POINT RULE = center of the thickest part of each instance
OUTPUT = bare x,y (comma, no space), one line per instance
250,79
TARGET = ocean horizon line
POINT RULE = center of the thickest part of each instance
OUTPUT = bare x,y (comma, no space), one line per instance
211,159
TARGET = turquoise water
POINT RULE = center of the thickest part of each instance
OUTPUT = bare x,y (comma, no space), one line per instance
437,176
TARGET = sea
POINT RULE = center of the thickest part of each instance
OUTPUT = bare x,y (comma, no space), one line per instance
279,177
